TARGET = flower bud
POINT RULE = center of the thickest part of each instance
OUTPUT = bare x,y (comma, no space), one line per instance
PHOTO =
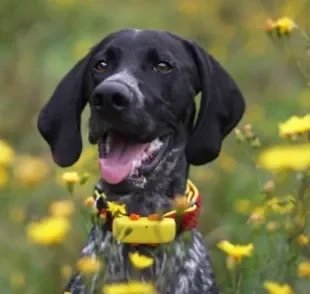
255,143
231,263
256,218
239,136
272,226
180,204
89,202
269,187
84,178
269,26
248,132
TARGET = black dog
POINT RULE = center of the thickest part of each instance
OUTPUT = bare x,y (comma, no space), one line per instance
141,86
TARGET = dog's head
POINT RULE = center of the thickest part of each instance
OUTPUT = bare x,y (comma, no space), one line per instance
140,86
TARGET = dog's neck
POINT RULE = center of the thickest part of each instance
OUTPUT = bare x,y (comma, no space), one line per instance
160,187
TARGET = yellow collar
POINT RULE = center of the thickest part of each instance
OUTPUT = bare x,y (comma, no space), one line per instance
154,229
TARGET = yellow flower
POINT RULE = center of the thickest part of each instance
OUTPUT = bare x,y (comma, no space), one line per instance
281,206
129,288
275,288
62,208
304,269
303,240
6,154
115,208
17,280
70,177
286,158
243,206
4,177
30,170
295,125
236,251
88,265
285,25
49,231
140,261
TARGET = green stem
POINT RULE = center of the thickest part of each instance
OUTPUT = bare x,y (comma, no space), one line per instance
239,283
82,211
234,279
250,155
304,186
303,33
298,64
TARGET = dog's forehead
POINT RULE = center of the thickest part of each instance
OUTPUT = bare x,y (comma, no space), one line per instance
134,39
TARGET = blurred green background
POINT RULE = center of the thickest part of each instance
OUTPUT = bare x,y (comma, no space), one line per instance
40,40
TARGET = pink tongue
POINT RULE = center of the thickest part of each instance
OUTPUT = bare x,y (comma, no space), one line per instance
118,164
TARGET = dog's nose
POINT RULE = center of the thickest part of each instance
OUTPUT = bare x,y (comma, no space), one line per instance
111,96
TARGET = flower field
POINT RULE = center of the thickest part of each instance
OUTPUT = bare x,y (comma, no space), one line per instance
256,195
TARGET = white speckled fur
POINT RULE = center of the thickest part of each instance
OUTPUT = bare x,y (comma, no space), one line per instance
127,78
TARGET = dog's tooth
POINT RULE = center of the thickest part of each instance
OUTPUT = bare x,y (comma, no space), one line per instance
138,162
133,168
108,143
144,155
154,146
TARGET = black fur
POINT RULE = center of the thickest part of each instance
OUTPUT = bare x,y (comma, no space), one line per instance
144,104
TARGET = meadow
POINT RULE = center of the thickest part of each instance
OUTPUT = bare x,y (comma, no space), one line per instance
256,195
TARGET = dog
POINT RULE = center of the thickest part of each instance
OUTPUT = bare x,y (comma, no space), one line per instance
140,86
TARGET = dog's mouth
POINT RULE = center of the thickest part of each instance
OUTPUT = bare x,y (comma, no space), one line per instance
122,158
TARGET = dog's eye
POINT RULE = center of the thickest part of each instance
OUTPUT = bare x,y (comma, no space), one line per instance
101,66
162,67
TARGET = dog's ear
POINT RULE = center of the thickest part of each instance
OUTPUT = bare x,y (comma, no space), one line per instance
222,106
59,121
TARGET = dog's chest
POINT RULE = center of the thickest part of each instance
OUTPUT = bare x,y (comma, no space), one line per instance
167,260
181,267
